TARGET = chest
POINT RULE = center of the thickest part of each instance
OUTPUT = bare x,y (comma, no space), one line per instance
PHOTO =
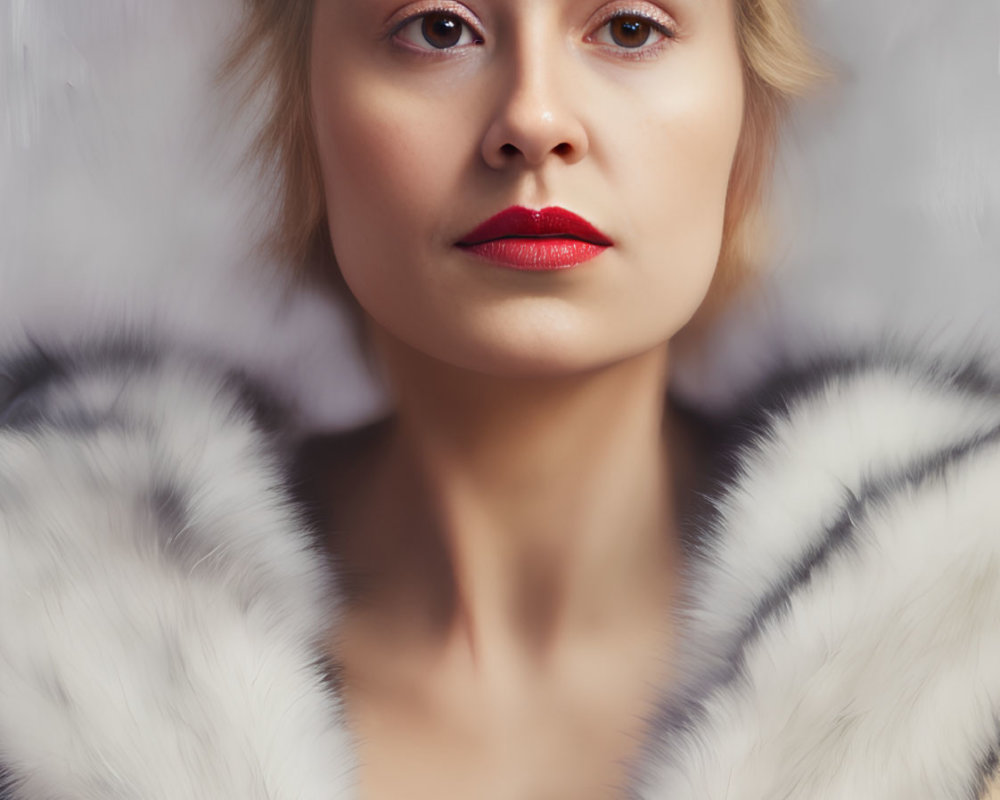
552,748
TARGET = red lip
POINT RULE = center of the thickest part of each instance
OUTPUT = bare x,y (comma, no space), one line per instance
535,241
521,222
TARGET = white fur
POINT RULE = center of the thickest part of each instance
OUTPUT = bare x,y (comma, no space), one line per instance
881,679
169,649
128,670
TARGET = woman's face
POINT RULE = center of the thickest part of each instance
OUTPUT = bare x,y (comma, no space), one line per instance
432,116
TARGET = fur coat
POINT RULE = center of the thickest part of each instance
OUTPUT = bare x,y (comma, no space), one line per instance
162,595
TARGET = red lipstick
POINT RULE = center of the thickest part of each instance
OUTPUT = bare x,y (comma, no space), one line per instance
549,239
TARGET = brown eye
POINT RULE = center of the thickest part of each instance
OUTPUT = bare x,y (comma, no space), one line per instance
634,35
630,31
441,30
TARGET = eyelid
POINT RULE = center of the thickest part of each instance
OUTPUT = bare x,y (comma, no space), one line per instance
400,19
657,16
662,22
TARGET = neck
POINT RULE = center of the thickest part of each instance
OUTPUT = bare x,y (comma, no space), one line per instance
517,516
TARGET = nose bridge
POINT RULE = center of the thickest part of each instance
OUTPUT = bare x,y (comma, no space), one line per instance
533,65
534,113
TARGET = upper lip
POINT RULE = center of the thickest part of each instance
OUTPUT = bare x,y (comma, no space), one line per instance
518,221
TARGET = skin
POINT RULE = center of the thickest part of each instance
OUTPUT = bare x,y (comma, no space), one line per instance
512,528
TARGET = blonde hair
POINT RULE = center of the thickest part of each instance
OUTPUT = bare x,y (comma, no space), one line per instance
271,51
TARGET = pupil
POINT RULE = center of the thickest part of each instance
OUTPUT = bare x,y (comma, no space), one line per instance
629,31
442,30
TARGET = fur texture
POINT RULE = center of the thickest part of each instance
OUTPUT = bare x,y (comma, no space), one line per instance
160,600
848,598
162,604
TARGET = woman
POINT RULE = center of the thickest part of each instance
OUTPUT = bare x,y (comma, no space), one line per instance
514,591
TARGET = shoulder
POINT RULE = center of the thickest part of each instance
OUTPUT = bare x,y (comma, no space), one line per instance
157,580
887,402
167,447
847,588
827,438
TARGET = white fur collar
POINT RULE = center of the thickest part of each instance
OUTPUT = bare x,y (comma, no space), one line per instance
161,602
848,599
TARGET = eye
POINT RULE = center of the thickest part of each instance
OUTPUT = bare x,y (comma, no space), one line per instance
633,31
439,29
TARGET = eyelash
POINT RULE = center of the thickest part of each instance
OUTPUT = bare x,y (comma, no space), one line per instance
668,33
641,53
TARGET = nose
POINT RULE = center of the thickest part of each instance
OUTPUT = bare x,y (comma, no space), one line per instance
534,117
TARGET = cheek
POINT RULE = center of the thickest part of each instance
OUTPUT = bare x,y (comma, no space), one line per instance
389,158
683,152
682,144
683,149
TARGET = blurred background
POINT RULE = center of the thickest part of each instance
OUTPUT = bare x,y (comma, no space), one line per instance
886,199
123,199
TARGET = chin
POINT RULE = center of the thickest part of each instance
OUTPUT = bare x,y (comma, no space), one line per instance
536,356
528,365
517,340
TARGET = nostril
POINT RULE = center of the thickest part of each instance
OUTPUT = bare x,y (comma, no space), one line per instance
561,149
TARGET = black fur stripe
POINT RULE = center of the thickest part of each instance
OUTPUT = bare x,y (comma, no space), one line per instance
28,372
843,532
986,772
682,717
6,784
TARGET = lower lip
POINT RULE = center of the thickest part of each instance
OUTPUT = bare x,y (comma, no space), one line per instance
536,255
